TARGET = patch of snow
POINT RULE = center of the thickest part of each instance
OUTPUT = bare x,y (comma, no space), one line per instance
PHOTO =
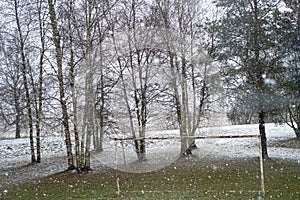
282,7
15,153
156,61
269,81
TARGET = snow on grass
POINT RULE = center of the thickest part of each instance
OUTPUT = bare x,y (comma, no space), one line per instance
161,153
16,152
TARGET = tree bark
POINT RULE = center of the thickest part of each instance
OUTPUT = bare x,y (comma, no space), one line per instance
39,103
25,81
72,85
297,132
90,116
178,106
74,104
102,103
262,132
18,113
58,54
257,65
184,112
18,128
89,92
136,143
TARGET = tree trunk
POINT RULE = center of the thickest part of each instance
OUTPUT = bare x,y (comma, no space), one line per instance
83,135
143,122
100,131
100,113
136,143
90,121
262,132
87,157
257,64
25,82
74,104
142,118
297,130
185,108
73,90
178,105
39,103
88,125
38,126
102,102
18,113
89,92
56,39
18,128
37,98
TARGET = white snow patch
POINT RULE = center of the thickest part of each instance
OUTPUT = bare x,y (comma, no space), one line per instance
269,81
282,7
160,153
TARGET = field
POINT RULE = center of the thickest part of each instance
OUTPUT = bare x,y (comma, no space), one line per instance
218,169
187,178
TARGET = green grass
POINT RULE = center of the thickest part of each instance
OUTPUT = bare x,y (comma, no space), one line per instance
186,179
287,143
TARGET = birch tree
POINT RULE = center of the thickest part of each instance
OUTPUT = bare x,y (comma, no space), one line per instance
89,25
37,82
12,98
73,63
59,62
138,50
188,66
131,75
89,87
27,45
24,70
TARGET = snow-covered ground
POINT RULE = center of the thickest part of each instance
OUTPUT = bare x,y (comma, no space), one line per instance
163,152
16,152
160,153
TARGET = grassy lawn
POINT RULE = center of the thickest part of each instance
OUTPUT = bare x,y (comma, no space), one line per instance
190,178
288,143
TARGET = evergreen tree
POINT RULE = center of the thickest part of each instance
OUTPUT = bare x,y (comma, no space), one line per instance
248,47
291,85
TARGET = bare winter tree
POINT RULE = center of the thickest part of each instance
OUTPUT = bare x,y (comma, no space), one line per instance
12,107
137,54
22,37
189,67
87,29
70,13
95,29
59,62
27,45
38,76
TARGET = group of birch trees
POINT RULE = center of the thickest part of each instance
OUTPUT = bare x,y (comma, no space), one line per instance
23,49
96,67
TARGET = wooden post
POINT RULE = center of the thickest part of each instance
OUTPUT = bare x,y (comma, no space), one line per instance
116,161
124,158
261,163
